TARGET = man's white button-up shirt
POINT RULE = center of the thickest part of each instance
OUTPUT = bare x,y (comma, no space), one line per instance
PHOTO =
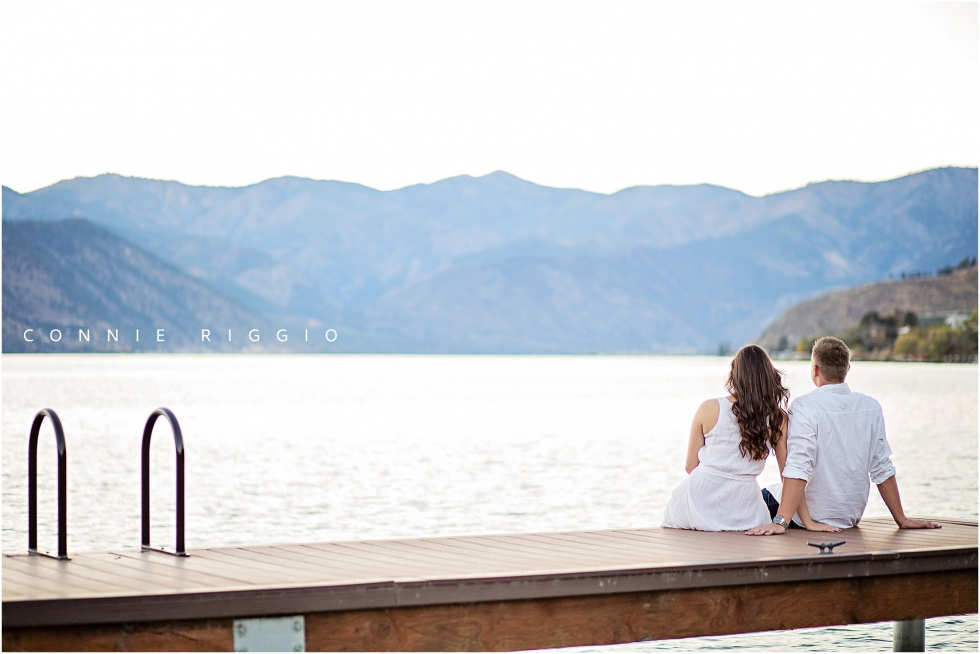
837,444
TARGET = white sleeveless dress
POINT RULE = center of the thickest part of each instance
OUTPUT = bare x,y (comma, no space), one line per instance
722,493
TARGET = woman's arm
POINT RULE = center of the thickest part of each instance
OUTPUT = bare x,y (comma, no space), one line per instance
704,420
780,449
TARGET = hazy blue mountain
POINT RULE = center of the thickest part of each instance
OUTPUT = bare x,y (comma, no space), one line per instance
500,264
355,243
71,275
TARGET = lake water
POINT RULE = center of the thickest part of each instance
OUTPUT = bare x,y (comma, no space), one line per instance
294,448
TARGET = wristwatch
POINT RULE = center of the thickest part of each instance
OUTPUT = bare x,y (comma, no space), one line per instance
780,520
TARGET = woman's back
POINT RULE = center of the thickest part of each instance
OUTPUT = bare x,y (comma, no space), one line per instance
720,451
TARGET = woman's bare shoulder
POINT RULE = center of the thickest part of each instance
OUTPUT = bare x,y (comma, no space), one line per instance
707,413
711,404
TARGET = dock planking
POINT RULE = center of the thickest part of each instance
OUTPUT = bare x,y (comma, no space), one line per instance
492,592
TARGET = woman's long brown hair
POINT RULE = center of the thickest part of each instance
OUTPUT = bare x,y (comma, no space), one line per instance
760,401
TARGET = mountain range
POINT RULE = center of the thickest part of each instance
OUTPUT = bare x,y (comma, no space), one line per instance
64,277
499,264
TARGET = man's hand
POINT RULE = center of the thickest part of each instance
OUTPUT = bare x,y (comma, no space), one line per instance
889,493
913,523
819,526
771,529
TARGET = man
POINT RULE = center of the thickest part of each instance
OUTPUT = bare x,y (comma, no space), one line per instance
836,448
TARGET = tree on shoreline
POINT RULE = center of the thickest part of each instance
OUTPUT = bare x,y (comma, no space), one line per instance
940,342
900,336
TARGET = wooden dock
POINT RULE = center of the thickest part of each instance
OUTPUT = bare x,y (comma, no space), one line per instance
494,592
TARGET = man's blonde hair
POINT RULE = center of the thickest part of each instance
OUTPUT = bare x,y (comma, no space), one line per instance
832,357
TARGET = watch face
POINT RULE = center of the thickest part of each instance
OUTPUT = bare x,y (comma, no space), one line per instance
780,520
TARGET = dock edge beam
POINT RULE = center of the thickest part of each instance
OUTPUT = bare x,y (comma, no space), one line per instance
534,623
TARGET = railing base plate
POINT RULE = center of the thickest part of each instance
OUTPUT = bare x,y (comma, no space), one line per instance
49,555
162,550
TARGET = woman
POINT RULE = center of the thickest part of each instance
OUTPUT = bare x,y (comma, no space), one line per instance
730,440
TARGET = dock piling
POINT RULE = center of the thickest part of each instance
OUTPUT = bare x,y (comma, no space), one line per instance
909,636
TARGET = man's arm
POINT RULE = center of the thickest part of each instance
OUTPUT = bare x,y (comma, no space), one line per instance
801,445
889,493
883,476
801,510
792,496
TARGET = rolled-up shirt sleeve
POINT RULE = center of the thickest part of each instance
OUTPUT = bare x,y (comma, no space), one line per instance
801,443
881,467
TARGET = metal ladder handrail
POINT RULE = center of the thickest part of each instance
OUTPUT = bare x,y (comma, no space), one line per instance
179,446
59,435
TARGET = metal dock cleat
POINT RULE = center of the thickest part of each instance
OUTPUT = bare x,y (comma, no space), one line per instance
827,548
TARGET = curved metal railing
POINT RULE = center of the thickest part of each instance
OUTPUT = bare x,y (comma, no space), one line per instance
179,446
59,435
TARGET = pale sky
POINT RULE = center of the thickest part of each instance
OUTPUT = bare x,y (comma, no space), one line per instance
756,96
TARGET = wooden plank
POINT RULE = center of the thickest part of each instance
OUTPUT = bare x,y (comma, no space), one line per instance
558,622
675,551
45,586
544,548
447,549
256,570
966,522
74,573
423,561
82,577
529,561
13,590
490,552
664,550
910,538
738,547
906,538
361,563
158,563
177,567
663,541
524,556
503,560
199,562
362,553
414,555
246,572
450,559
612,547
334,557
300,571
177,636
582,553
394,566
466,550
295,560
152,576
732,544
121,572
